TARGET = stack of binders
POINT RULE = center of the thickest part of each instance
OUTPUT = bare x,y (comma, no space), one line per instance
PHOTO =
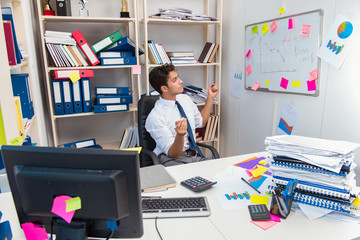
87,143
112,99
71,97
324,170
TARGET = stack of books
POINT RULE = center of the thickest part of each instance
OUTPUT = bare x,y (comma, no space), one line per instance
182,57
112,99
130,138
324,170
157,53
197,94
208,132
208,52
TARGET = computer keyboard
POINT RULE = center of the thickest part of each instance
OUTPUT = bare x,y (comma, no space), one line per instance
175,207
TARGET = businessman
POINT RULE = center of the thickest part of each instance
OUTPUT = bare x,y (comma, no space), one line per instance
173,120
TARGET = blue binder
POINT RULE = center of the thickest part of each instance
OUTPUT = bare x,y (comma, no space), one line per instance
112,90
114,99
81,144
118,61
86,94
58,99
77,98
107,54
67,94
124,44
20,85
111,108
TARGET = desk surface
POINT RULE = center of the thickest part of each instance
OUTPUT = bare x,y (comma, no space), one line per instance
222,224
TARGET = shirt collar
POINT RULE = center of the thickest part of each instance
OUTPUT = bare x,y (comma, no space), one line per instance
169,103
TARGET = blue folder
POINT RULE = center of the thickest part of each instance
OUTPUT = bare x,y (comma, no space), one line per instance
20,85
7,15
114,99
118,61
77,98
58,99
124,44
86,94
82,144
112,90
111,108
67,94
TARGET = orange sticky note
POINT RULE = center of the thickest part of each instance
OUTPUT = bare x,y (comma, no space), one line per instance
136,69
255,86
264,28
273,26
254,29
74,76
313,75
248,69
305,30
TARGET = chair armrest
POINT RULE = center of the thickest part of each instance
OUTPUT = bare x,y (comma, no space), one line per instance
211,148
151,155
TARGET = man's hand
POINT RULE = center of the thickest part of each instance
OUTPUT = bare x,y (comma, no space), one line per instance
213,91
181,127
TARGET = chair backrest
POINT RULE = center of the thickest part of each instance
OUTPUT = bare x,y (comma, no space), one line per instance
145,105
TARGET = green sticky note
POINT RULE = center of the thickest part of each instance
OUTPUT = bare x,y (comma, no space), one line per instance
254,29
73,204
16,141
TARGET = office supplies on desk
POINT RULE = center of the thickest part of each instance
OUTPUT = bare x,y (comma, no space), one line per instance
103,108
81,41
197,184
105,42
58,97
155,177
86,94
259,212
250,185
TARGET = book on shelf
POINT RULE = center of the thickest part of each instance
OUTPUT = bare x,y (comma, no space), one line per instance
9,40
155,178
163,56
130,137
213,53
206,59
204,52
208,132
8,16
180,54
208,52
153,53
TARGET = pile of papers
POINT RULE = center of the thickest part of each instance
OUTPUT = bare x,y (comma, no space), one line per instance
324,170
181,14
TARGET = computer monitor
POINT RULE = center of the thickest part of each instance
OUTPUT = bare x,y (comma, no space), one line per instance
107,182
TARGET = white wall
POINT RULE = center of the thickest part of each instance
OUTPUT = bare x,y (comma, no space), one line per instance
333,115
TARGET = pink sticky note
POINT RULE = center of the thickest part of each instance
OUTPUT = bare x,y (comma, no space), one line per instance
255,86
290,23
313,75
248,69
59,208
273,26
264,224
305,30
274,218
136,69
248,53
284,83
34,232
311,85
248,172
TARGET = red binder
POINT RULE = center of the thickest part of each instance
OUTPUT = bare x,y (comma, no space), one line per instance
83,73
81,41
10,47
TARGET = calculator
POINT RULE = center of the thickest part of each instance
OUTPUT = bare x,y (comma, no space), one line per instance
259,212
197,184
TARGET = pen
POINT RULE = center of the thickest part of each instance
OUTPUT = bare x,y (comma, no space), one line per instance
150,196
250,185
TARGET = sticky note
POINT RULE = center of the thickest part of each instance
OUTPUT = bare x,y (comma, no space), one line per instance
259,199
136,69
138,149
258,171
248,53
59,208
313,75
281,10
305,30
254,29
73,204
267,82
74,77
290,23
265,225
248,69
311,85
262,162
296,84
274,218
264,28
255,86
34,232
273,26
284,83
16,141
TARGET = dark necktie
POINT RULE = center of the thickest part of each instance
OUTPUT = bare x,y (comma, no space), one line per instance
189,131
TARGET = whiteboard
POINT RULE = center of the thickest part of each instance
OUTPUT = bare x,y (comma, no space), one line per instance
281,60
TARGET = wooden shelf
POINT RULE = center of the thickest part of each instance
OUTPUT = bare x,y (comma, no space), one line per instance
86,19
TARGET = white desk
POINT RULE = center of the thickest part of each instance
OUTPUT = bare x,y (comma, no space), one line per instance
222,224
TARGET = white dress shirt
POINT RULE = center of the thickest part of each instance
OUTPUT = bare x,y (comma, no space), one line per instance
161,122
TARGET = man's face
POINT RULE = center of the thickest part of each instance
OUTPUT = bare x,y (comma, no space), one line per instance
174,83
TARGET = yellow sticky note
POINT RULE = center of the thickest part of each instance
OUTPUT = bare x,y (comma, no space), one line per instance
16,141
264,28
254,29
356,202
258,171
296,84
281,10
267,82
262,162
138,149
73,204
136,69
259,199
74,76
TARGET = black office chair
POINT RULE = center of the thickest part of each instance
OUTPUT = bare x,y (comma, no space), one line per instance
147,156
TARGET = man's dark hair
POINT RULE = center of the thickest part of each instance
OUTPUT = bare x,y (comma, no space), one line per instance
158,76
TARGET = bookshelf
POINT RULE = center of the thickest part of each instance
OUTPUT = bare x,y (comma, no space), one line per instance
103,19
166,32
35,130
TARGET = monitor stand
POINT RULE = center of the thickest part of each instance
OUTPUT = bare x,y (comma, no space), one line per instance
76,230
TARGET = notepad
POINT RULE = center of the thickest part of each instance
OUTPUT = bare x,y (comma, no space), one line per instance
155,177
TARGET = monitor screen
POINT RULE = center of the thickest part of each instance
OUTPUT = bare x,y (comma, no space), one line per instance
106,181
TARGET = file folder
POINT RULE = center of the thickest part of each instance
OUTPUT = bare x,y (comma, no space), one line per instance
77,99
7,15
81,41
105,42
68,101
109,99
118,61
83,73
86,94
58,97
9,39
111,54
20,85
112,90
81,144
124,44
63,7
111,108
